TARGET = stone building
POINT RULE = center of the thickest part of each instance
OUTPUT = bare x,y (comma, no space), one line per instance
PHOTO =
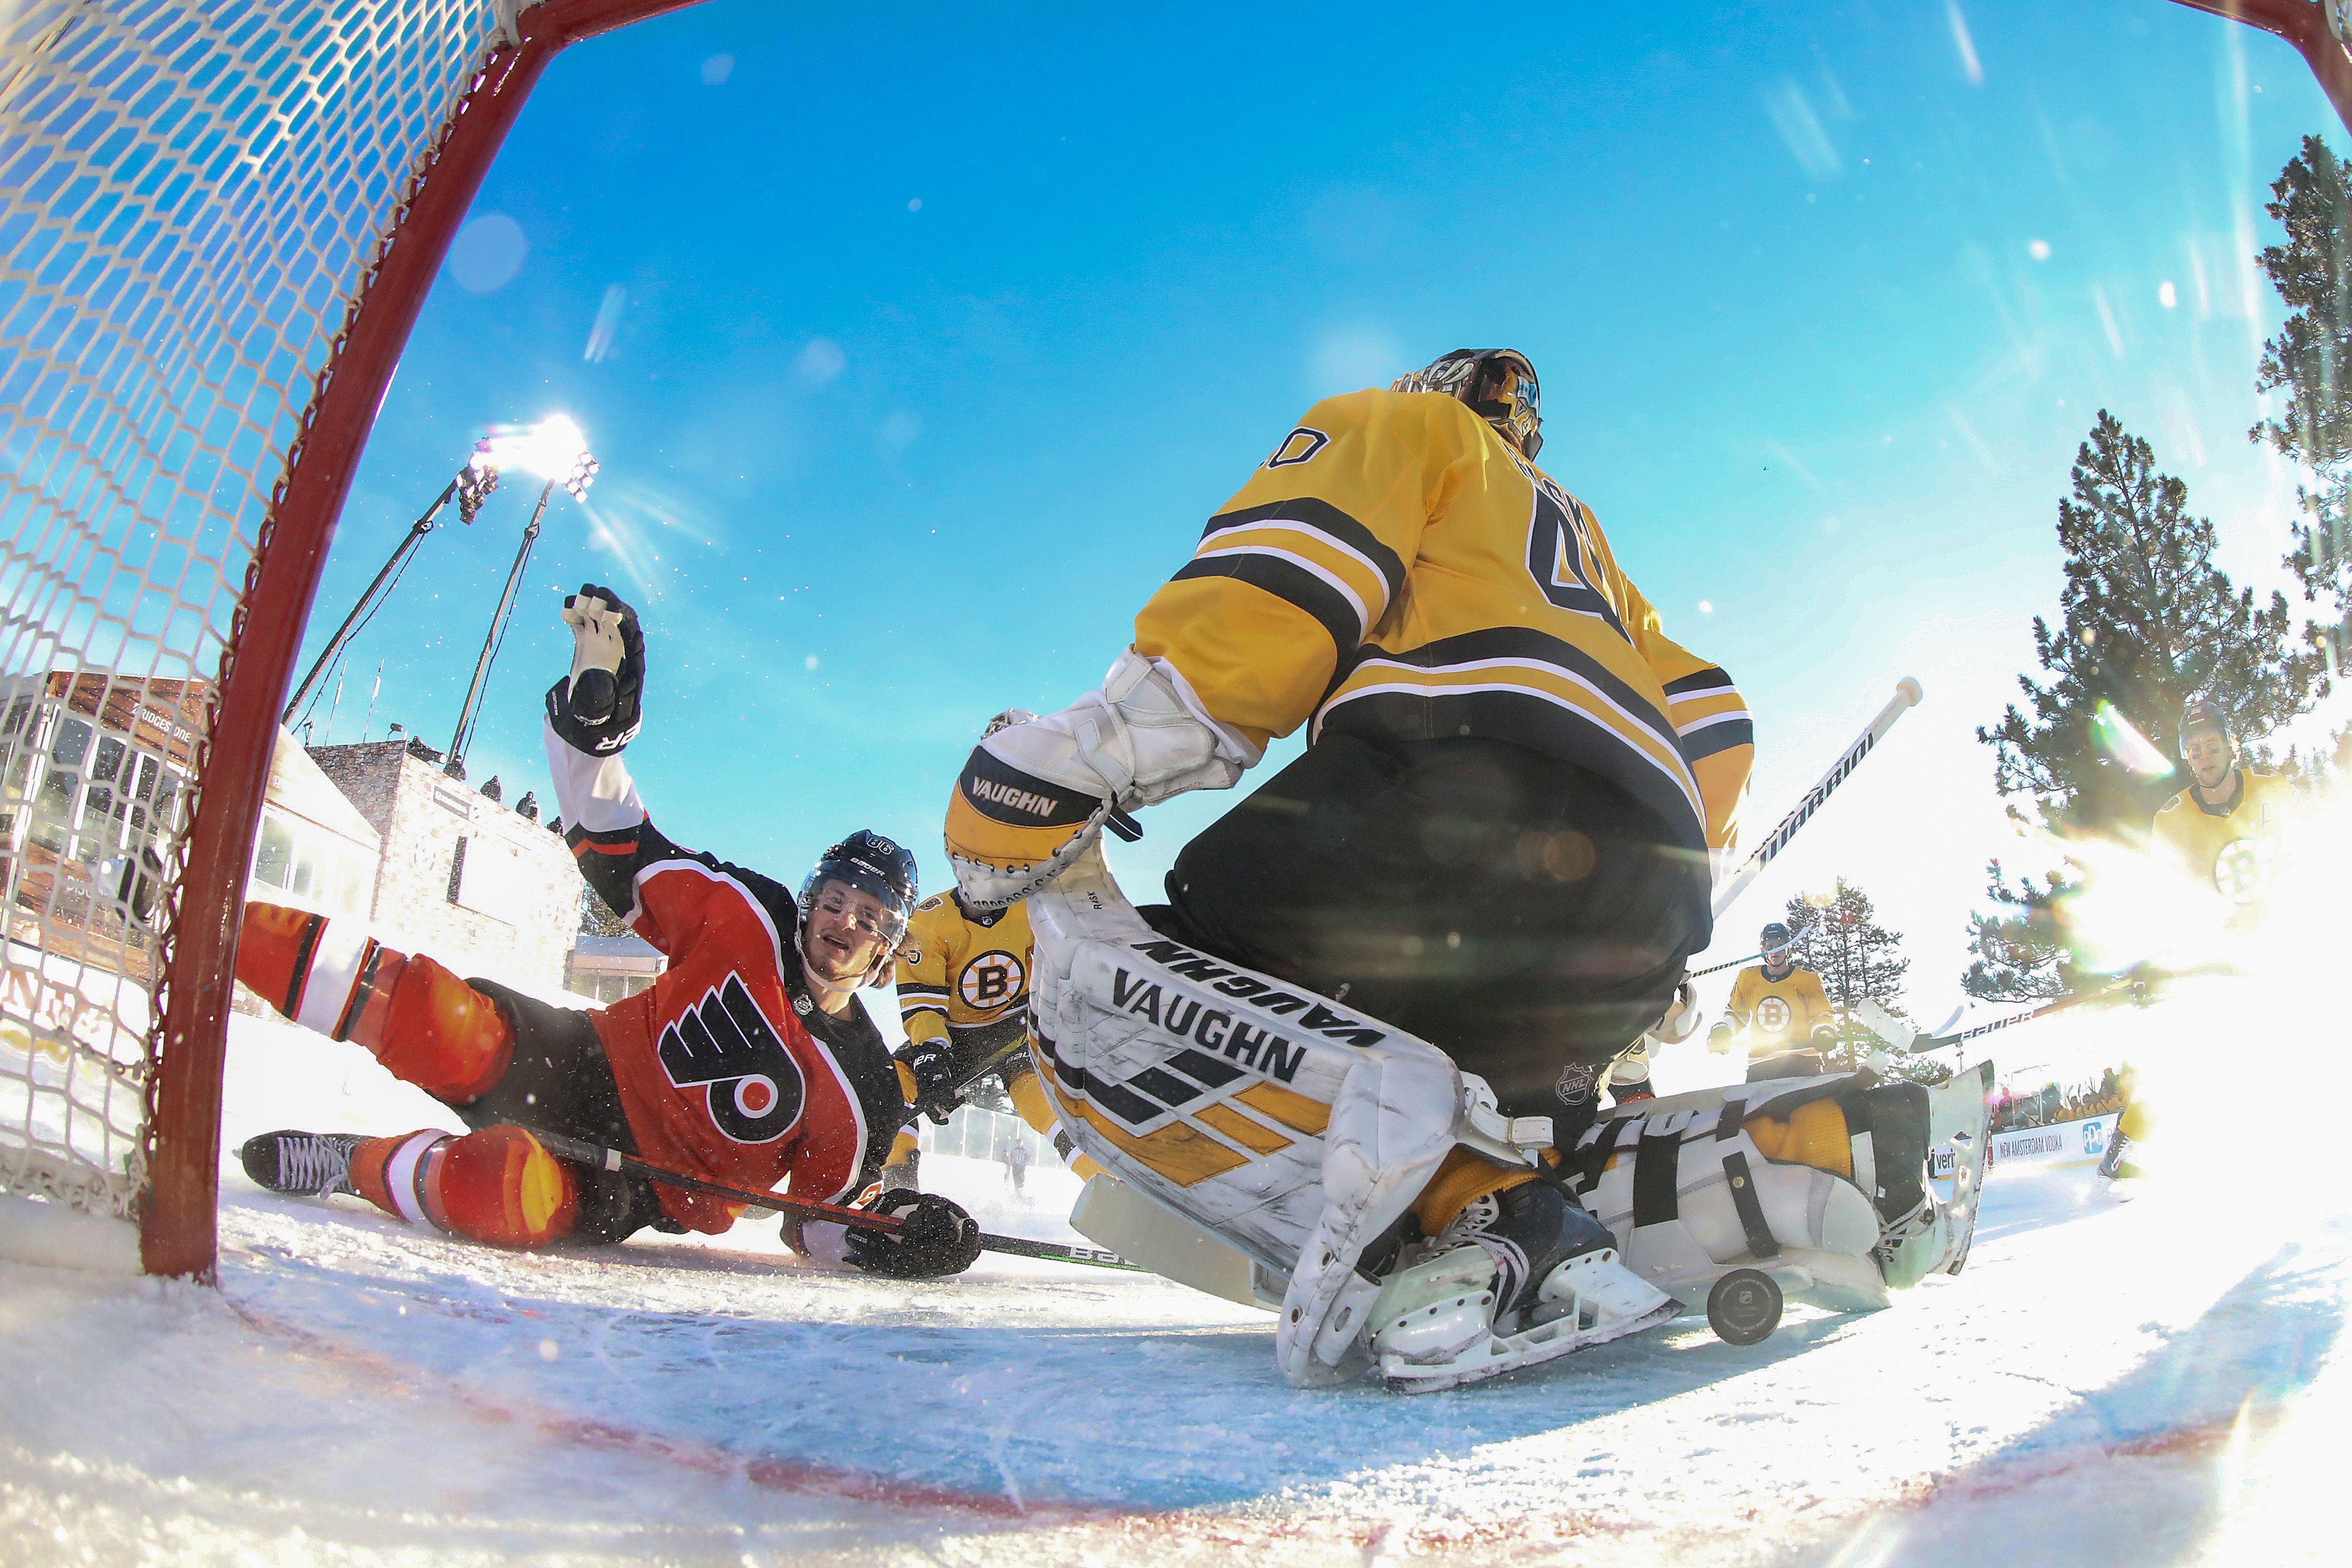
459,873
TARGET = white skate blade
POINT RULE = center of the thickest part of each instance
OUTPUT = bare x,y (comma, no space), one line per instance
1602,1301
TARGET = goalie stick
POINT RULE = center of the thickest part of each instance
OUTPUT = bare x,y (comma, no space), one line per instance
1938,1042
583,1151
1907,693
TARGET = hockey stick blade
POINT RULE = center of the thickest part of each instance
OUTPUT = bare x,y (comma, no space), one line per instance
1886,1025
1908,695
583,1151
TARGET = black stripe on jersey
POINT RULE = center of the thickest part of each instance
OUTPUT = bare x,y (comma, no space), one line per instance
1536,647
1530,721
916,988
1293,586
1323,517
909,1011
1714,737
1698,680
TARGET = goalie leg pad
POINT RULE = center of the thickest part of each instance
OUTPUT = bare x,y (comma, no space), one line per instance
1691,1188
1297,1130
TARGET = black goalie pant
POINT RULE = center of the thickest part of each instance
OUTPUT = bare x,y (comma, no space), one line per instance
1521,913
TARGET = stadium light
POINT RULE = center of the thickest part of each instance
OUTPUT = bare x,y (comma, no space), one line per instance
558,453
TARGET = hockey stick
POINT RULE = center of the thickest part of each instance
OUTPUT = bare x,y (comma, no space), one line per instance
1907,694
1735,963
582,1152
1939,1042
988,1065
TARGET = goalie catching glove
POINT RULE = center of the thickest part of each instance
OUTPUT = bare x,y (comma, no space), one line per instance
935,1239
1034,795
597,708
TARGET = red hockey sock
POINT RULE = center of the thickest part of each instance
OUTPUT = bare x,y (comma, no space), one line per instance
496,1186
424,1023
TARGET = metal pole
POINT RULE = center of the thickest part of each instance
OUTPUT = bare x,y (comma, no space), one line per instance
416,533
490,643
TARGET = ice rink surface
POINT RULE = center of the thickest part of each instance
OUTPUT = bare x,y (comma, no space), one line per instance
2157,1381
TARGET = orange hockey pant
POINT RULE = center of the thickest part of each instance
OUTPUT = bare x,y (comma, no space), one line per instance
432,1029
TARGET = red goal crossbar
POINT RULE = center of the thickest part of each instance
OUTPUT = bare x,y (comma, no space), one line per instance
2310,27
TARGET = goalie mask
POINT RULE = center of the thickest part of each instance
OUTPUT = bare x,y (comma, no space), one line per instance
866,862
1498,386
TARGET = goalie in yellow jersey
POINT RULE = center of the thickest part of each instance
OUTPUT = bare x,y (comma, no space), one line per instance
963,990
1499,840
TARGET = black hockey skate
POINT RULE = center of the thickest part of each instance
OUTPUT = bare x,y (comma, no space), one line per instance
301,1165
2116,1164
1518,1278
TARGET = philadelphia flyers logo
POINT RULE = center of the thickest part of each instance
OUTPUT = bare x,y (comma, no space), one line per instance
1772,1014
1298,448
991,980
755,1091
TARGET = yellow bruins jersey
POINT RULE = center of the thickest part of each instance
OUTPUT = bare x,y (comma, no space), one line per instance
960,974
1395,570
2231,849
1782,1015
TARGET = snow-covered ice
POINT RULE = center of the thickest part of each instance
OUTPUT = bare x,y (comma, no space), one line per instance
2151,1381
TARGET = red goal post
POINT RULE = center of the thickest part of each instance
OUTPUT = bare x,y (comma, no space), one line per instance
2319,30
218,226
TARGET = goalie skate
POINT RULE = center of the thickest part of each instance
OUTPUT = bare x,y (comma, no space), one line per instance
1939,1238
1483,1306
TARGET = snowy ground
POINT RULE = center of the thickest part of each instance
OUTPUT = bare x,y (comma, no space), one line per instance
2151,1381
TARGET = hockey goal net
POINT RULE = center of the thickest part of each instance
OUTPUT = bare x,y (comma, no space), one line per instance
217,223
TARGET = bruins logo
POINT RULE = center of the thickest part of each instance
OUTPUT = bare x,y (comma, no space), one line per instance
991,980
1772,1014
2242,871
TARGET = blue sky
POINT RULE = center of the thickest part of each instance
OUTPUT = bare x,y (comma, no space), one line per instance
931,335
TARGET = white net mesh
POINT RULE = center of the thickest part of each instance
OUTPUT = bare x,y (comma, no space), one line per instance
192,196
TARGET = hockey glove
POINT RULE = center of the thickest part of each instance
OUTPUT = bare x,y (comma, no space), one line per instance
1032,796
1718,1039
936,1238
927,1078
597,708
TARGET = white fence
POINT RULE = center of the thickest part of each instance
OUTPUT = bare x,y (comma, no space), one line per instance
2061,1143
977,1134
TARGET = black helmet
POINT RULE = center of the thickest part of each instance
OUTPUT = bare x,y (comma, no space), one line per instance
872,864
1474,376
2202,715
1775,937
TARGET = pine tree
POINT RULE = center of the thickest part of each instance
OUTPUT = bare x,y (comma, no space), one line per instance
2146,621
597,919
2311,361
1840,939
2022,952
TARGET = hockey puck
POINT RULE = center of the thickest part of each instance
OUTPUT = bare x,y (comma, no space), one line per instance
1744,1308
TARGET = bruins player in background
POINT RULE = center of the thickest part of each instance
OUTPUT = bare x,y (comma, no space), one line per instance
1782,1010
1499,837
963,996
2225,832
2225,829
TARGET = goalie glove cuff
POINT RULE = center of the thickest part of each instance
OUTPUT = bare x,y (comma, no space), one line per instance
1034,795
